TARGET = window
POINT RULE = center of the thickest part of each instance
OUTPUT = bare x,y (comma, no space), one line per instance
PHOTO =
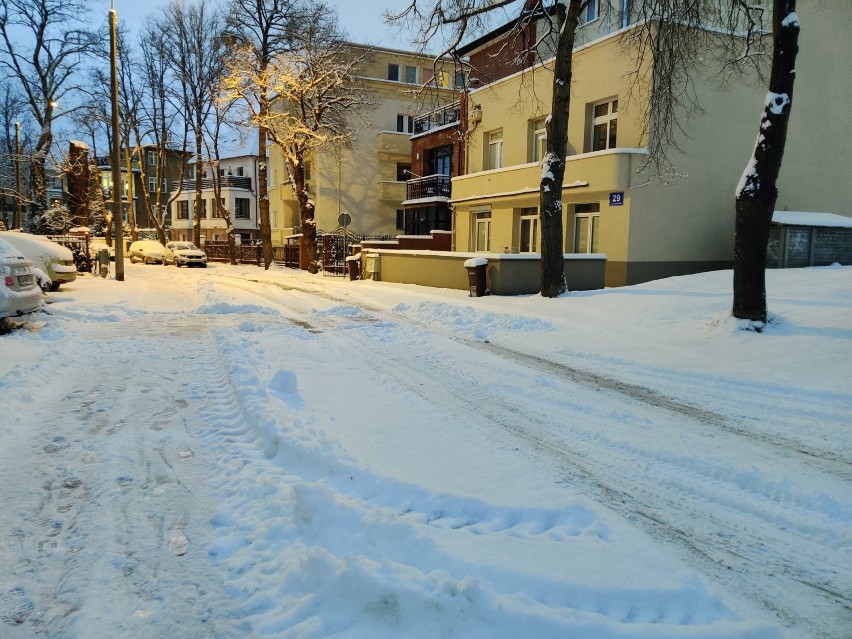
459,80
592,11
190,173
393,72
441,160
240,171
183,210
307,171
222,209
411,75
586,221
402,171
528,237
495,149
241,208
203,213
152,185
482,235
400,219
421,221
404,123
604,125
152,158
538,140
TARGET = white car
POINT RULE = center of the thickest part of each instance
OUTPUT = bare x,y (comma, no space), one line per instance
149,252
19,292
187,254
48,258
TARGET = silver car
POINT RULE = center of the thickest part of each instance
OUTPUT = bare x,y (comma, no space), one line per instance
19,292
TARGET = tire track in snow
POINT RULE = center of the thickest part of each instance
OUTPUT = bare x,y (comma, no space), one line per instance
710,508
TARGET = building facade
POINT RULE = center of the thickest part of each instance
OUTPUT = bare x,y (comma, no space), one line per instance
367,180
237,179
648,228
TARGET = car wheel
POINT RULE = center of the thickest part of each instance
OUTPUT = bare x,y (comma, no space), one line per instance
54,286
177,263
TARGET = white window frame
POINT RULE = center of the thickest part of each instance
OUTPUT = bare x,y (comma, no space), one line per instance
404,123
538,141
409,67
481,231
495,149
591,12
590,214
528,217
152,184
608,120
152,158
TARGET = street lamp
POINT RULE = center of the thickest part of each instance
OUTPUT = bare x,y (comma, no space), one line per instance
18,212
116,147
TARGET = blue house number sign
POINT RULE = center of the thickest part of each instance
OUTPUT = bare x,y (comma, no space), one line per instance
616,199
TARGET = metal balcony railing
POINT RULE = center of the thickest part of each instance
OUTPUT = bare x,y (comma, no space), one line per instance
449,114
226,182
429,186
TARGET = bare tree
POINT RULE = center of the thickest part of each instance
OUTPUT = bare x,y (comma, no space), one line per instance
192,36
43,46
317,93
261,30
758,191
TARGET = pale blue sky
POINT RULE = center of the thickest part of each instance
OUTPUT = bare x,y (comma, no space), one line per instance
361,19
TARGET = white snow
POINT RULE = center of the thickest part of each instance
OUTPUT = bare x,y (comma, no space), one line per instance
808,218
241,453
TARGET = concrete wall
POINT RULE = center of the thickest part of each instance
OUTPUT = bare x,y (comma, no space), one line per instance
505,274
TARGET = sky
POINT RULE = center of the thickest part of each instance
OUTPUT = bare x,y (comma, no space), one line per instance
362,19
238,453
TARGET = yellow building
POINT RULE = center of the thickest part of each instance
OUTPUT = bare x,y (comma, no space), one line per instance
647,228
366,180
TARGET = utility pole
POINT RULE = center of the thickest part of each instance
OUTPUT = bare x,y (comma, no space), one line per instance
116,147
19,216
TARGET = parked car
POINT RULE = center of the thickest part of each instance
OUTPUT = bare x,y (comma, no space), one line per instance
56,261
19,292
187,254
149,252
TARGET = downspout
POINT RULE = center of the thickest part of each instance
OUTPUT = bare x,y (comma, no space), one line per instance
625,10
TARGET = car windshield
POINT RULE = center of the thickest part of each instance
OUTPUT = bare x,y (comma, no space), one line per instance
184,246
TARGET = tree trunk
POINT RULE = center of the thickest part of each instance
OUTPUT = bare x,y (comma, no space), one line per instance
757,191
308,239
553,170
199,174
263,184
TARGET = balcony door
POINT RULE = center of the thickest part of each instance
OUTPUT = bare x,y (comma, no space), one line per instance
441,160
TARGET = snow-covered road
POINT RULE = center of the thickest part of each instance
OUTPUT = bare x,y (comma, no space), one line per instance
240,453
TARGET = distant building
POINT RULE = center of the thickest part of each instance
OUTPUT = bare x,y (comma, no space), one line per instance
237,176
367,181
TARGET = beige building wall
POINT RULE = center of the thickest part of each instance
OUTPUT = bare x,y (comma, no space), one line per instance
361,180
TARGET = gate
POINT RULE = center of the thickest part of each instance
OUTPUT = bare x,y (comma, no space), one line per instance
334,250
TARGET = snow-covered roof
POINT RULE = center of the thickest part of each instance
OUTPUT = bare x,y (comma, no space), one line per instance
806,218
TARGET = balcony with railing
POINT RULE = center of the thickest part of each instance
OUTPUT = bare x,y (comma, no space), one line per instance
225,181
449,114
425,188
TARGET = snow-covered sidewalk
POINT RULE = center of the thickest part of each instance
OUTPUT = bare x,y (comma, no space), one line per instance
246,453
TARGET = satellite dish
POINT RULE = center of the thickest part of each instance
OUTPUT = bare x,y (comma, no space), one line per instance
344,219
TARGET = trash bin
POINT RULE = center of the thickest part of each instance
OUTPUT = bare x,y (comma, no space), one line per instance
353,263
476,275
103,262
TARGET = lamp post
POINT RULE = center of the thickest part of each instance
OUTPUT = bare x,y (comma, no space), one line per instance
19,218
116,147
